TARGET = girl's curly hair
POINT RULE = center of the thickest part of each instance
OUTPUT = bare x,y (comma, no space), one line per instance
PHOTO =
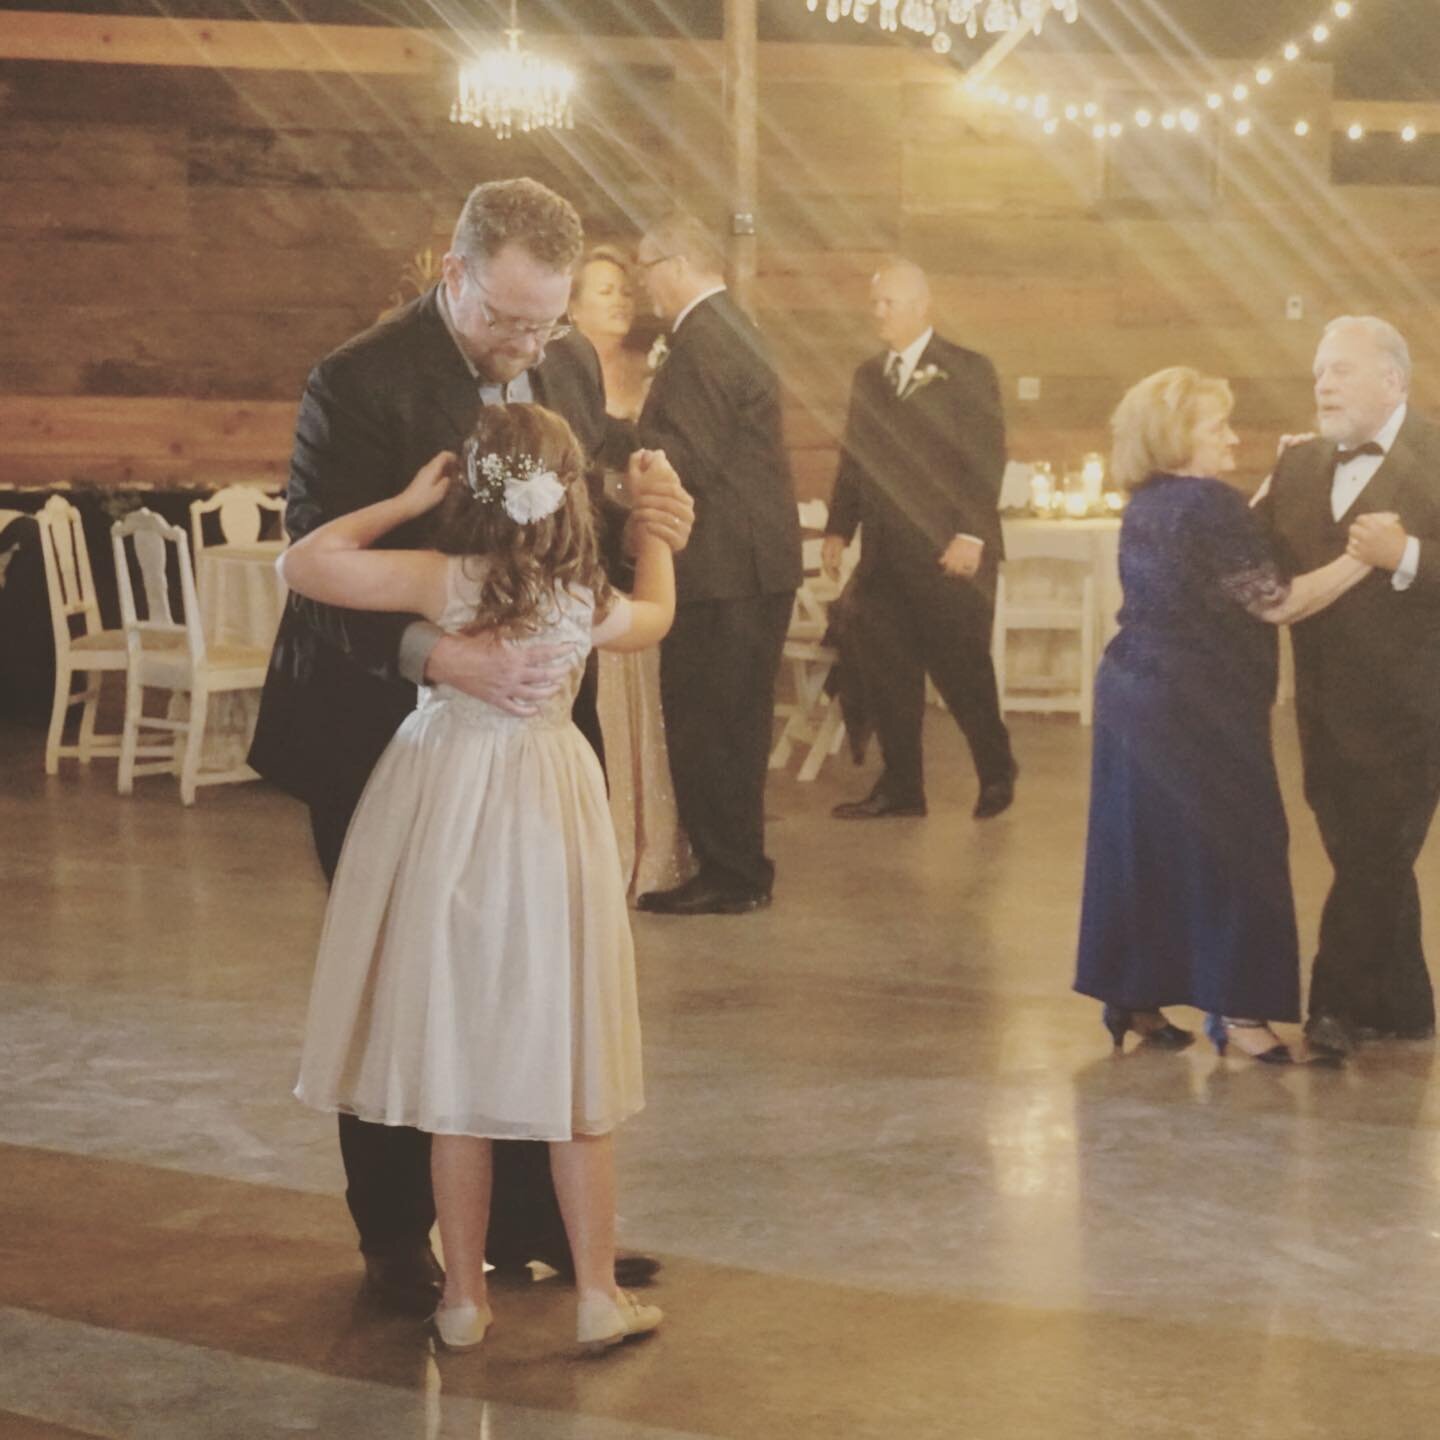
524,565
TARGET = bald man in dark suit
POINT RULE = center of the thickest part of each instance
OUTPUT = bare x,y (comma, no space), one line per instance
921,463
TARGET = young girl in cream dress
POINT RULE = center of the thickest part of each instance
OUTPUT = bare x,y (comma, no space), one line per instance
476,975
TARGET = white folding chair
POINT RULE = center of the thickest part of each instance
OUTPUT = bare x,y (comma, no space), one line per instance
81,645
1046,590
172,655
811,718
241,512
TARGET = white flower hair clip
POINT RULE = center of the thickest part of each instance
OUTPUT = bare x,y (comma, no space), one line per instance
527,490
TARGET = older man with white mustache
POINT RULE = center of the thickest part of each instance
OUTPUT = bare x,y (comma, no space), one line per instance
1367,676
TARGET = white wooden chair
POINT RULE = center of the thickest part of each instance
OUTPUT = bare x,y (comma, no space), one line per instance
172,655
82,646
241,510
1044,591
811,718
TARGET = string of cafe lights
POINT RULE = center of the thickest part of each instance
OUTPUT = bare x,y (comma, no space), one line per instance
1219,104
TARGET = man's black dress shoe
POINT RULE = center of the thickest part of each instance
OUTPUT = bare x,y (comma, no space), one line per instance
632,1272
635,1271
1409,1032
407,1280
1329,1035
702,896
996,796
876,805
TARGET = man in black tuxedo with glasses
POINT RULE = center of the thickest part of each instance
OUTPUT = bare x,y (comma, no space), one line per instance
340,681
1367,676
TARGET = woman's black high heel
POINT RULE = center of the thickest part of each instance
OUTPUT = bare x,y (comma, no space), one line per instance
1218,1028
1163,1036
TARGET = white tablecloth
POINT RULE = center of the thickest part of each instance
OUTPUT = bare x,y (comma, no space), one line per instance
241,593
1097,543
1036,541
241,598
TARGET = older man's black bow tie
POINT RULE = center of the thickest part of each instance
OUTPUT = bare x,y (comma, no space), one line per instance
1370,447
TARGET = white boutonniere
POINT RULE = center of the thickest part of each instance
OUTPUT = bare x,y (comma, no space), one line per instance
924,375
659,352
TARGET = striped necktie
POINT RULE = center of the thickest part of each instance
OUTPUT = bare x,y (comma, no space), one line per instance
892,372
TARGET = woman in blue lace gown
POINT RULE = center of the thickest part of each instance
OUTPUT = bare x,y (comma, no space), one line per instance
1187,896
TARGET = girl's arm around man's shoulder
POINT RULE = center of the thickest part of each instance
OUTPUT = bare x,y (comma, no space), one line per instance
334,564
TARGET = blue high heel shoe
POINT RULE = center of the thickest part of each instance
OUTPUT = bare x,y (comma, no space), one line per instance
1163,1036
1218,1029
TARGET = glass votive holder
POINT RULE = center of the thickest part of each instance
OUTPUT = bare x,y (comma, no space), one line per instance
1042,487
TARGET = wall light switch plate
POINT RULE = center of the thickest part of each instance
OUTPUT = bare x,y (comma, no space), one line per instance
1029,387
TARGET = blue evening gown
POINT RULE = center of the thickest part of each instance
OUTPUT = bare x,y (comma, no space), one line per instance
1187,897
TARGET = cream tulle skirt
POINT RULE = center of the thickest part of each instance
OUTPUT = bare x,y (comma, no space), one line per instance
476,974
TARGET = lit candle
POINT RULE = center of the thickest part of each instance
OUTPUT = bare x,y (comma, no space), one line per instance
1042,488
1092,479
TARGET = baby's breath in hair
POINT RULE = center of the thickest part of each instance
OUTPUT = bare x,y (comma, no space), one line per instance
527,488
520,505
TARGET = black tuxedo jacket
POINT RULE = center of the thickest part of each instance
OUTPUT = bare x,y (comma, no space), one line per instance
714,408
374,411
920,469
1367,668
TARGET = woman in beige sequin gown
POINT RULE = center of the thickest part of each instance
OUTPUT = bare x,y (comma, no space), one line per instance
654,853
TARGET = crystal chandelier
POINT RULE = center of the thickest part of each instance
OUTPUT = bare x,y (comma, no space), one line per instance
932,17
512,90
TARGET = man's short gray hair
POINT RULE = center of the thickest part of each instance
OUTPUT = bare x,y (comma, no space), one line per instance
519,212
684,234
1387,339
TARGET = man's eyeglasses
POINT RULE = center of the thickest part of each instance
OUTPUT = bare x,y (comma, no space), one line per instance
509,328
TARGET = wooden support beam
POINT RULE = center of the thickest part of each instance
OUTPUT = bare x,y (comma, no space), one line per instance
742,121
389,50
350,49
227,44
149,428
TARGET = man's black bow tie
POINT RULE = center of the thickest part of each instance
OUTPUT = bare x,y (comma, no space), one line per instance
1370,447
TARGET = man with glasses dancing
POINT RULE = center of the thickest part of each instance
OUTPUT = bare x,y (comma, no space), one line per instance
340,682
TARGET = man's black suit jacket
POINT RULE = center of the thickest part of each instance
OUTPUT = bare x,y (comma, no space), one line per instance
1367,668
374,411
920,469
714,408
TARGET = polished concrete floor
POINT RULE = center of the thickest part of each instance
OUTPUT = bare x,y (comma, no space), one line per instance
900,1186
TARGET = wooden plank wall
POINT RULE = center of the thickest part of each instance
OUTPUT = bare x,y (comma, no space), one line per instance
179,242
